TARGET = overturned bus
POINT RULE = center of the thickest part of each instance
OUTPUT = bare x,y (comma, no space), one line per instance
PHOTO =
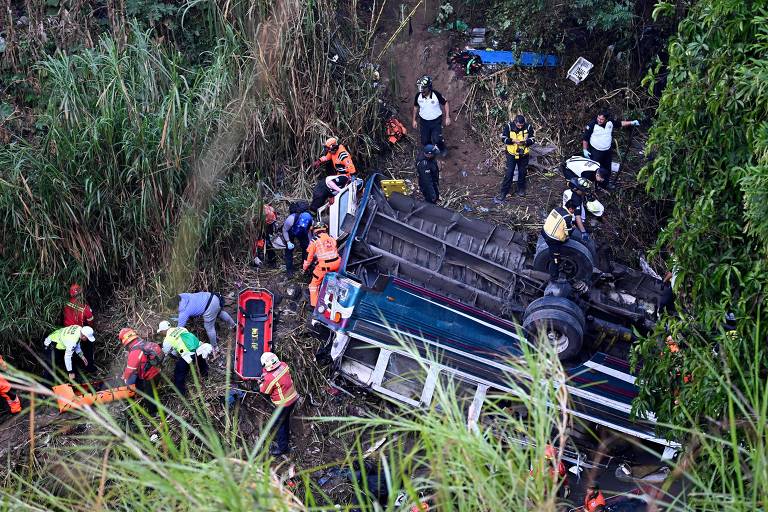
467,294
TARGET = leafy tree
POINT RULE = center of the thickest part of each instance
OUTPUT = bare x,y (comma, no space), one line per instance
710,142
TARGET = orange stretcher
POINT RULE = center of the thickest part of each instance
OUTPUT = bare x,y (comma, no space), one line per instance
69,398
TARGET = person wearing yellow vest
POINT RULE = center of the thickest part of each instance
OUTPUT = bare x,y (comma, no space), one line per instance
556,231
276,381
187,349
518,137
323,246
61,344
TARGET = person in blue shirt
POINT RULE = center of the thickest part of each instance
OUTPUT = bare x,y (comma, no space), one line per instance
296,230
207,305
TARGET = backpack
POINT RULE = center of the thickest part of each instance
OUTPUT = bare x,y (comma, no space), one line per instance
154,355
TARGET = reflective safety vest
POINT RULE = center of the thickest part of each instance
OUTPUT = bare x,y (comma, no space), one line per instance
518,147
278,384
66,336
324,247
558,224
341,160
182,340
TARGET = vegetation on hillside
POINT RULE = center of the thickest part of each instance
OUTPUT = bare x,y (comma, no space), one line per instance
131,129
709,145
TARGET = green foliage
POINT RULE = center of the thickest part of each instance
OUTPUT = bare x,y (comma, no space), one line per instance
546,23
711,158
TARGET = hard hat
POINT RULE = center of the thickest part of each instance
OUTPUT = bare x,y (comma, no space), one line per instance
269,361
164,326
74,290
88,333
332,144
319,226
550,452
127,335
425,82
595,207
429,149
269,214
582,184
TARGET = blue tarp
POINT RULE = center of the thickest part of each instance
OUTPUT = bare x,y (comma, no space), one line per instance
504,58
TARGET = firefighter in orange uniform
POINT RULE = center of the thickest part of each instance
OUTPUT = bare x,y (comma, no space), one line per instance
323,246
594,499
338,156
14,404
276,381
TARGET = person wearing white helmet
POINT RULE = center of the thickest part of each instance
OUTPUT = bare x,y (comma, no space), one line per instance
187,349
61,344
276,381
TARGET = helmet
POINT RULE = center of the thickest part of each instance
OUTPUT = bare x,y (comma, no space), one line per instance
595,207
425,82
429,149
331,144
269,214
319,227
581,184
127,335
88,333
550,452
164,326
269,361
74,290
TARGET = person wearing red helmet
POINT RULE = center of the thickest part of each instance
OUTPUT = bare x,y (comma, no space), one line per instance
78,312
143,366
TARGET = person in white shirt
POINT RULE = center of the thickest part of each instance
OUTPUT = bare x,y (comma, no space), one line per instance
429,105
597,142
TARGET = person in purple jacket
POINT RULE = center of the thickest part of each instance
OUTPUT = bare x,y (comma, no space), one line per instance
207,305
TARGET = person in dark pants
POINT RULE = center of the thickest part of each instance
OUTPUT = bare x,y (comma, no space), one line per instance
296,231
188,350
556,231
265,227
518,137
597,142
429,174
142,367
429,105
276,381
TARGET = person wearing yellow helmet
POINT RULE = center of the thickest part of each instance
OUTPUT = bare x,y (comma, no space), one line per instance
143,365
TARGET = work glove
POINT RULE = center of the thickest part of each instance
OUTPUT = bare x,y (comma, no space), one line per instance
585,236
635,123
316,164
290,245
587,154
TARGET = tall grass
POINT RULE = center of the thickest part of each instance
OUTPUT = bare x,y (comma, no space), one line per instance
131,128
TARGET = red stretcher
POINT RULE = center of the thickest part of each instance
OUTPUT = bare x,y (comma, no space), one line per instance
254,331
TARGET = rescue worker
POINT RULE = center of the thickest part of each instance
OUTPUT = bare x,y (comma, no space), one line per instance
61,344
429,105
556,230
78,312
296,229
11,399
429,174
207,305
187,349
580,191
518,137
276,382
337,156
597,141
323,247
265,227
143,366
326,189
594,498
